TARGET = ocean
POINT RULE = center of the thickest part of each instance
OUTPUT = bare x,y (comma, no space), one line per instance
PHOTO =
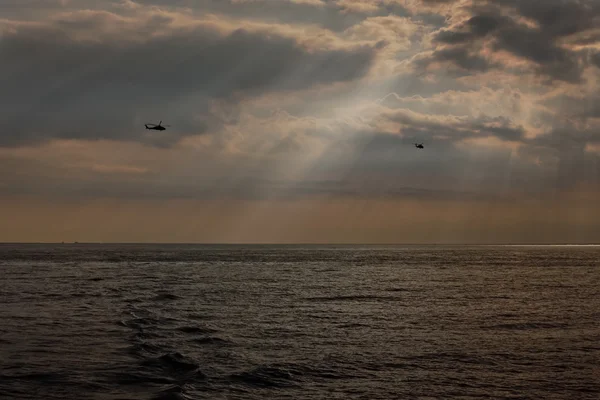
107,322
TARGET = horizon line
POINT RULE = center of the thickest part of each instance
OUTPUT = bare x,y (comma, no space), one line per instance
306,244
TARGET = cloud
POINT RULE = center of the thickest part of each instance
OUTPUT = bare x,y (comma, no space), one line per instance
595,58
557,17
463,58
454,128
531,31
325,14
299,99
551,60
84,76
359,6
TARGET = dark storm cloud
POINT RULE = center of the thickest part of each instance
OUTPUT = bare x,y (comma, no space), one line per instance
270,11
438,2
57,86
464,48
566,145
32,10
327,14
555,19
460,56
595,59
8,5
578,109
476,27
571,130
552,60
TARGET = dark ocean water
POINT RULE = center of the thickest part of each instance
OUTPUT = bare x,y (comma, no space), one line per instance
293,322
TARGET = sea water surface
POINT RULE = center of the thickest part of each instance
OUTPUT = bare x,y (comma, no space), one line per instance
299,322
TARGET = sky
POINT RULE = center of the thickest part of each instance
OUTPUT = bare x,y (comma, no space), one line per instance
294,121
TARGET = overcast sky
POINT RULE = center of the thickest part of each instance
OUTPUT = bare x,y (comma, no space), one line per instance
294,120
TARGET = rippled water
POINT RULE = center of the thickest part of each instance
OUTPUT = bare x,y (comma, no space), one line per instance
178,322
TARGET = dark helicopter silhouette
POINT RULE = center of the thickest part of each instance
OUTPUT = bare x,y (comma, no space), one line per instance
419,146
158,127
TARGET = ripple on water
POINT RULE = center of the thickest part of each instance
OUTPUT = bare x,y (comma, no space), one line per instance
196,330
289,375
165,297
526,326
212,340
264,322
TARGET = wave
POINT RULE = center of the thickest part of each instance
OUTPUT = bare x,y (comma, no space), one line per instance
144,347
212,340
522,326
266,376
360,297
286,375
46,377
141,377
175,363
175,392
145,322
165,296
196,330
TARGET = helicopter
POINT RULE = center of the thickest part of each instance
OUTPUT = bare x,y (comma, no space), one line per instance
419,145
158,127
